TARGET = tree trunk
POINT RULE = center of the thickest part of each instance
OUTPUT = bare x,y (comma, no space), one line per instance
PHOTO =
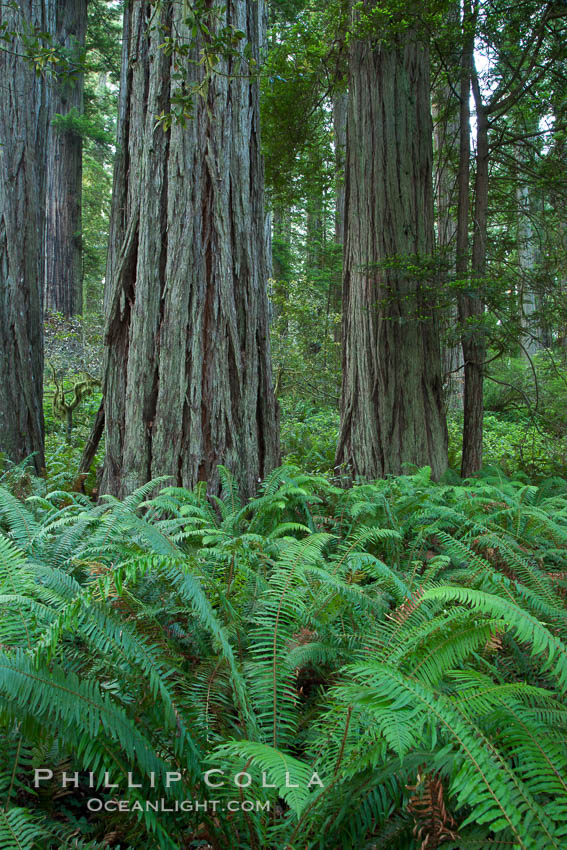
527,260
446,141
315,233
340,111
471,304
392,409
281,263
187,375
281,244
23,134
559,240
527,263
90,448
63,252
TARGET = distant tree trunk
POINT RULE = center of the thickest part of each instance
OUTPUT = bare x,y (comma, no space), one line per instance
281,262
446,140
557,240
561,340
187,375
544,324
527,259
340,111
471,305
92,278
527,263
63,253
315,233
23,134
281,243
392,410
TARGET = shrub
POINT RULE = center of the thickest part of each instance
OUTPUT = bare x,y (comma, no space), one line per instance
518,447
309,435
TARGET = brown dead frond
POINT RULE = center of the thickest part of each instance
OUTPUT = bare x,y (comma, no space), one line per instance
433,824
494,644
558,580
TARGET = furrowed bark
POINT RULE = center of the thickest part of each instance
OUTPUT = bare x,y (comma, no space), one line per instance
392,411
446,141
188,381
63,252
23,134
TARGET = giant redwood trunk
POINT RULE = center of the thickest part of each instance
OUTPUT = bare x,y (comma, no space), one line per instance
188,381
23,132
63,254
392,396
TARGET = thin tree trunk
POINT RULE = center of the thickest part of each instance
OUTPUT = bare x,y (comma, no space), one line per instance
63,252
187,376
340,112
315,233
562,283
544,324
471,306
281,243
91,447
446,139
557,199
23,134
527,262
281,261
392,410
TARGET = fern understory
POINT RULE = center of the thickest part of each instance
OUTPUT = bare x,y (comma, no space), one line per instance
404,640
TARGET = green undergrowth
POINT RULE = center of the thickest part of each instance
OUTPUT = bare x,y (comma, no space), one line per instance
517,444
402,640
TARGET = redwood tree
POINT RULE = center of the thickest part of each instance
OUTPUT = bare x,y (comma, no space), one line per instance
23,133
63,254
392,399
188,381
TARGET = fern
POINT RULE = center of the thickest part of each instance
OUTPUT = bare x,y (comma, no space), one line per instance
403,639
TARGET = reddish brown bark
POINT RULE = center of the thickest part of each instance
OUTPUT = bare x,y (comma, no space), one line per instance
188,381
392,411
23,134
63,252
